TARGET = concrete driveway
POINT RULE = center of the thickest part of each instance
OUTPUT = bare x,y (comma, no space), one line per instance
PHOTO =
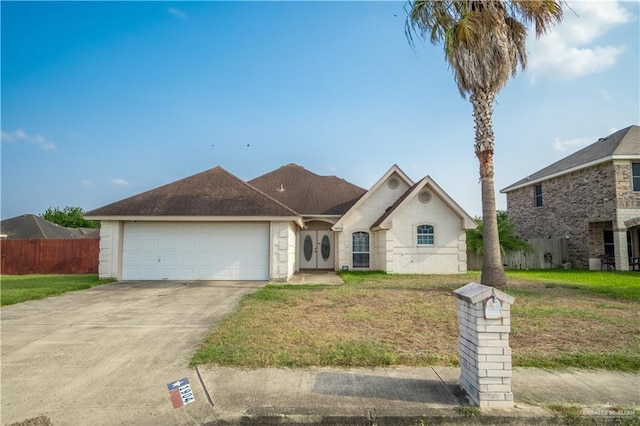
105,355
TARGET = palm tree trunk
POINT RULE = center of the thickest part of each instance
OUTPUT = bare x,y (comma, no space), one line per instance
492,269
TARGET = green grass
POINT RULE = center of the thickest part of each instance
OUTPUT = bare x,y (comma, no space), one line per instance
604,361
468,410
20,288
559,320
617,284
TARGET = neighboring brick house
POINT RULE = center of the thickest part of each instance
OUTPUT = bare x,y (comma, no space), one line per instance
591,198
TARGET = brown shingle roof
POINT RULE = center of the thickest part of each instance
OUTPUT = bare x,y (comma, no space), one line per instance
622,142
214,192
309,193
30,226
391,209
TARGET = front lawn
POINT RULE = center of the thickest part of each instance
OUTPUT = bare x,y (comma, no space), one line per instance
20,288
622,285
385,320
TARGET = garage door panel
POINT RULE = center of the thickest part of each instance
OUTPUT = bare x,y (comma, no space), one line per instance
184,251
149,258
169,244
170,259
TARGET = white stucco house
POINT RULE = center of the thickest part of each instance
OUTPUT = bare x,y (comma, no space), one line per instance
214,226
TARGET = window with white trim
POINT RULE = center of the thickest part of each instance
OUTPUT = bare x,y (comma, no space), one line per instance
635,173
425,235
360,249
537,192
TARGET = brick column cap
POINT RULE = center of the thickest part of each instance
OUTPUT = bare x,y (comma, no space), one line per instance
474,293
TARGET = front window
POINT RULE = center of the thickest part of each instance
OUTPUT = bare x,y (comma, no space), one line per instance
635,172
360,249
609,245
425,235
538,195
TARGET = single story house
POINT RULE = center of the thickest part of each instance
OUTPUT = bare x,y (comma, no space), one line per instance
33,227
215,226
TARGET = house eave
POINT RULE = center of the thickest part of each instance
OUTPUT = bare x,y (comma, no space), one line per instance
569,170
394,169
328,218
129,218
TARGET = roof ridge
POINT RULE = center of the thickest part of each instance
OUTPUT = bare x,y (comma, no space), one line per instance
199,194
37,222
306,170
264,194
247,184
603,149
158,187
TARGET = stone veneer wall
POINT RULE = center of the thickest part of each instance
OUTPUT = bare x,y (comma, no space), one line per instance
570,203
626,198
283,251
110,249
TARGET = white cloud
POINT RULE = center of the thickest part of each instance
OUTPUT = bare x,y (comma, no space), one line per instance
176,12
22,136
86,182
572,49
120,182
570,144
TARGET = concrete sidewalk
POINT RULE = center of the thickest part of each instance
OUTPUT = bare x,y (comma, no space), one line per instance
315,276
408,396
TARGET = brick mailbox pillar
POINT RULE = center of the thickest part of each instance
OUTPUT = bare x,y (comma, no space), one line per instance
483,345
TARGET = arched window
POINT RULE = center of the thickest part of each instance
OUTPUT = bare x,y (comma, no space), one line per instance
360,249
425,235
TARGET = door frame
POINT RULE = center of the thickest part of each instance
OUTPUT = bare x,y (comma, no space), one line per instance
317,261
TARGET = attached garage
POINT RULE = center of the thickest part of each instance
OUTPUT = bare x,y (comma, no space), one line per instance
195,251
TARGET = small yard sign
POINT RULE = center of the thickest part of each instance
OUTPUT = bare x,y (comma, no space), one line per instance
180,392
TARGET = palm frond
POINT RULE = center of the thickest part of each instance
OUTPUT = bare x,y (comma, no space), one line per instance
484,41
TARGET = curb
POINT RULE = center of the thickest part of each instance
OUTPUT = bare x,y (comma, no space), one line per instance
369,417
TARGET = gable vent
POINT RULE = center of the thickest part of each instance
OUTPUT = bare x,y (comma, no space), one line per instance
424,197
393,183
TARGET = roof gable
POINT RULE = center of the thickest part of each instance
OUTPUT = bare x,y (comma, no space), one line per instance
467,222
621,144
393,170
214,192
308,193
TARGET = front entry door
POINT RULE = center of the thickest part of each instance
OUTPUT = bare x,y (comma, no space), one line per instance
316,250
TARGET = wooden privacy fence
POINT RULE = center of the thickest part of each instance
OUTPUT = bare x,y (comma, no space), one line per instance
21,257
547,254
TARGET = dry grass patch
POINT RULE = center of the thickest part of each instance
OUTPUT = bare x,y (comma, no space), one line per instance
380,320
554,326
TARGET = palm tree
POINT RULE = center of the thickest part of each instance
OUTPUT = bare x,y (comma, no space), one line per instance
509,241
484,43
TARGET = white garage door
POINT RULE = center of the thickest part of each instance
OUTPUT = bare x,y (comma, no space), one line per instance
196,251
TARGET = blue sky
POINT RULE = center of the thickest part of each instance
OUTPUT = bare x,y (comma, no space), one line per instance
101,100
